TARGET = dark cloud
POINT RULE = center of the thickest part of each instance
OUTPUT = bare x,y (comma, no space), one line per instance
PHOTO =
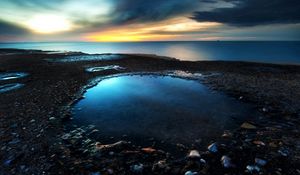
150,10
10,29
253,12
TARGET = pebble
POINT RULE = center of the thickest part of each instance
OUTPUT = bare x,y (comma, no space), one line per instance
284,152
190,173
194,154
137,168
148,150
260,162
95,173
52,118
213,148
247,125
226,162
253,168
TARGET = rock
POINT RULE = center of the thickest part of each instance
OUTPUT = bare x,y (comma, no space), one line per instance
194,154
110,171
115,146
190,173
260,162
203,161
213,148
66,136
227,134
148,150
52,118
160,165
253,168
7,162
95,173
137,168
284,152
247,125
258,142
226,162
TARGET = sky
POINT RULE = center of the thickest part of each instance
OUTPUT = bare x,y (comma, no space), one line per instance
149,20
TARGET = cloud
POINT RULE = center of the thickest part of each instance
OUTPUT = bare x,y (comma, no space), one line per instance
130,11
11,29
253,12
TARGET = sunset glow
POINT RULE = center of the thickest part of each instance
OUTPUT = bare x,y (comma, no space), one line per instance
166,30
47,24
135,20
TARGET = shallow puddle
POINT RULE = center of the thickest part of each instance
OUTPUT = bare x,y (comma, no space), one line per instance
97,57
161,108
103,68
13,75
9,87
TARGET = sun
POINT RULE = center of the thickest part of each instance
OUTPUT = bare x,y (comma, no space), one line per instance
46,24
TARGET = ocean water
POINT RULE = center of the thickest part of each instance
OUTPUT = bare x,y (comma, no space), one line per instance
256,51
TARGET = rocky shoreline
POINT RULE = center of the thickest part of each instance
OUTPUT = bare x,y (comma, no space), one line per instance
36,140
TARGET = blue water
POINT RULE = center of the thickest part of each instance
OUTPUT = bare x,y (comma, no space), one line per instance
164,108
256,51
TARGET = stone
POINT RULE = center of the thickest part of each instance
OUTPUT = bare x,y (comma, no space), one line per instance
148,150
253,168
160,165
260,162
137,168
190,173
247,125
258,142
95,173
213,148
194,154
226,162
52,118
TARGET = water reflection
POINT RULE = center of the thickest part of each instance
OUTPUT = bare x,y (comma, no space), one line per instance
103,68
9,87
13,75
161,107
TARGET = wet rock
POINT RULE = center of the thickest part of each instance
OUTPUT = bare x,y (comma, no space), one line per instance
95,173
247,125
252,169
137,168
194,154
283,152
227,134
115,146
226,162
52,118
9,87
7,162
260,162
160,165
259,143
148,150
12,75
190,173
213,148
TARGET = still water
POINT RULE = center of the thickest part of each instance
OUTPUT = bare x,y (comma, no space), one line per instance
257,51
168,109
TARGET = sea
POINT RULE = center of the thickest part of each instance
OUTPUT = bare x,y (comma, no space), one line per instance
278,52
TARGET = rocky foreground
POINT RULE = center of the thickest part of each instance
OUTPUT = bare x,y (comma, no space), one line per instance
34,138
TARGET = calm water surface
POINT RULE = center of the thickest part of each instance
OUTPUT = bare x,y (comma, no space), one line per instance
257,51
164,108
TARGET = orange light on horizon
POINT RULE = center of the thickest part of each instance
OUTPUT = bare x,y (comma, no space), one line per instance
171,29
